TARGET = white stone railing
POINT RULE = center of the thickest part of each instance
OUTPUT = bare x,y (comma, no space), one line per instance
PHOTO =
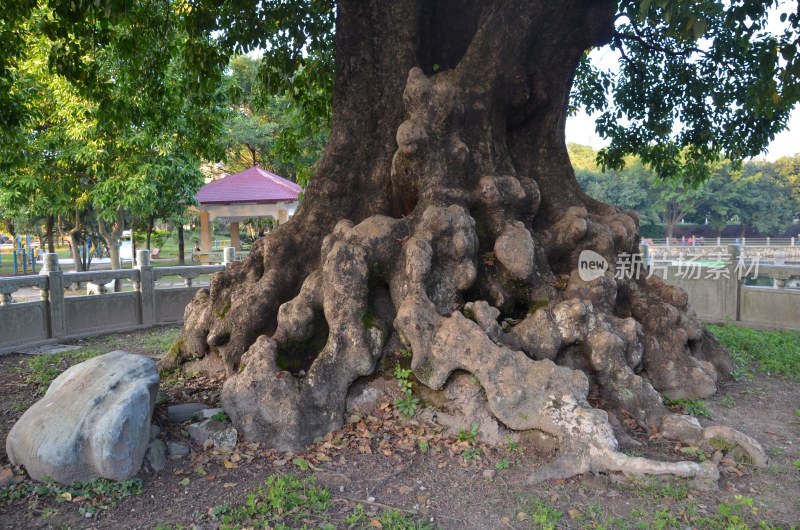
717,285
54,316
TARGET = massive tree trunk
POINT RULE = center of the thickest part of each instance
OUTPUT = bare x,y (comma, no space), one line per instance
444,202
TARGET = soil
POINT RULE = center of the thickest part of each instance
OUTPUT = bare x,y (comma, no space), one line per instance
377,461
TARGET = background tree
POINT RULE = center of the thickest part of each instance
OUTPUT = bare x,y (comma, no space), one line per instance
122,123
765,202
630,188
788,170
267,129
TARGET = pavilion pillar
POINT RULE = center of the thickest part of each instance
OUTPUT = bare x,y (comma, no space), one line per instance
205,235
235,235
283,216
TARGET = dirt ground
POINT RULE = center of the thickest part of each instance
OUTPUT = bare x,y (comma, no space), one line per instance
385,461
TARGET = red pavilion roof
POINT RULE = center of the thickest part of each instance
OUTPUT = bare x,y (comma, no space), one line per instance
254,185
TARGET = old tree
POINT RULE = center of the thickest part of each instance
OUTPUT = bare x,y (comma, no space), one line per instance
445,204
445,218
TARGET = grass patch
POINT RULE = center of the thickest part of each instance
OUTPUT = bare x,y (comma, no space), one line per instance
741,513
540,514
285,501
771,352
39,371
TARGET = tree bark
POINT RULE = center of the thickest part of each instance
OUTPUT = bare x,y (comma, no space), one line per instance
669,230
50,234
112,236
446,202
75,242
181,245
150,222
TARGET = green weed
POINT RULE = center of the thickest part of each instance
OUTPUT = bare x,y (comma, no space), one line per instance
695,407
92,496
397,520
408,404
542,515
283,499
502,464
470,435
220,416
471,454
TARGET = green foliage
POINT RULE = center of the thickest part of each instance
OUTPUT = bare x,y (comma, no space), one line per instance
654,490
694,407
542,515
471,454
92,496
696,451
397,520
157,238
264,127
220,416
94,145
283,499
469,435
390,520
408,404
695,82
771,352
739,515
503,463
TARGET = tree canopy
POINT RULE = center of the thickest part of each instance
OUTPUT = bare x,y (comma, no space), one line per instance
696,81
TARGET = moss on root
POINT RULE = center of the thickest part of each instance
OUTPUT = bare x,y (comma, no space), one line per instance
222,313
537,305
295,355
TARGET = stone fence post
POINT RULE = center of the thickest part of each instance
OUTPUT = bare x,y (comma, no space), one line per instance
54,294
228,255
146,287
733,284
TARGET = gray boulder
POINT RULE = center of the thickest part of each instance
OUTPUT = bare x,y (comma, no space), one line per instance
94,421
157,455
200,432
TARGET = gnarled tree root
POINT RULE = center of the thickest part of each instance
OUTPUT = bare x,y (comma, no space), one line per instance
440,278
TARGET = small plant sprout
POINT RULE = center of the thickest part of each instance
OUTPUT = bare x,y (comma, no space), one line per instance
471,454
408,404
470,435
220,416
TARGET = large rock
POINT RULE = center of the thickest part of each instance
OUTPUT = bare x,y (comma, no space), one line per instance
94,421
